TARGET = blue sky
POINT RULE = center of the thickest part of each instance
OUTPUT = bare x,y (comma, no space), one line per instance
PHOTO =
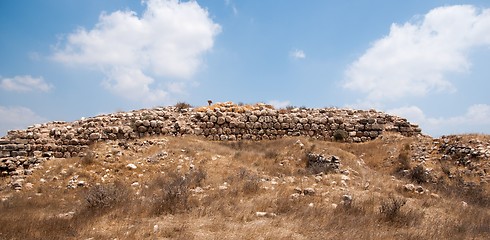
424,60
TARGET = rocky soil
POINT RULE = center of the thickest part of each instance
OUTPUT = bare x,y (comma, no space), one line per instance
173,186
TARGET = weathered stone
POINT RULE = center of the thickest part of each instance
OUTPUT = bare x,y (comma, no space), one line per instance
138,123
131,166
309,191
227,122
220,120
94,136
17,184
142,129
346,200
409,187
4,154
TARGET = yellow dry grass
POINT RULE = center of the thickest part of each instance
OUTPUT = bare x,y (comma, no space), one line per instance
220,190
232,107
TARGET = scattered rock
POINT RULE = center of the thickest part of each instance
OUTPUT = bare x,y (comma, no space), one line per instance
131,166
28,186
317,163
295,195
345,178
346,200
17,184
436,196
309,191
409,187
67,216
198,190
265,214
318,178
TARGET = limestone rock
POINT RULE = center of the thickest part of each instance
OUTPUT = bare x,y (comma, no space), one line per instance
131,166
309,191
225,121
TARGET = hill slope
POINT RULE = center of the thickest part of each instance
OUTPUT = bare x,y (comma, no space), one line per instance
166,187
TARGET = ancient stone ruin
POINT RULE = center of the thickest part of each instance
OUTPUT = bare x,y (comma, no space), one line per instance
20,150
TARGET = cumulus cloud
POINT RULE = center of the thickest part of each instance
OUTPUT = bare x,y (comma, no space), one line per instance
416,57
166,42
279,104
24,83
476,120
12,118
297,54
133,84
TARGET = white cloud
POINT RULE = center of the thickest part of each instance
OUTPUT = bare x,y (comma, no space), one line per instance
133,84
415,58
167,41
297,54
24,83
17,118
176,87
279,104
476,120
228,3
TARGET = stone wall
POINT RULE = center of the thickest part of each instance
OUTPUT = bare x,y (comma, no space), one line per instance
20,150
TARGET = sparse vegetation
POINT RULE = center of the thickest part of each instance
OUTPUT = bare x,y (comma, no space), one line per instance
89,158
171,196
391,211
340,135
182,105
404,160
419,174
390,208
200,189
271,154
106,196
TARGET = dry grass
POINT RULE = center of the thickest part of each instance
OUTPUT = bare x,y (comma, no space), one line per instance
196,189
182,105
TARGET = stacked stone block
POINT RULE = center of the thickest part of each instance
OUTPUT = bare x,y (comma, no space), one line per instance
20,150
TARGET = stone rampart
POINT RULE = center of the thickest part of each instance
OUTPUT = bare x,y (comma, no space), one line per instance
20,150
